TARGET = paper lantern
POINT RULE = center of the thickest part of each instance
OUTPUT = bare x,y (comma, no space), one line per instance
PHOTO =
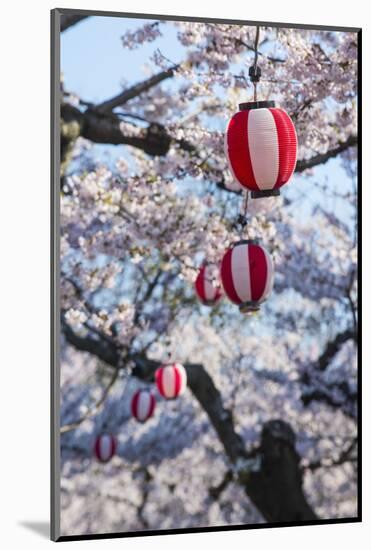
247,274
261,147
105,447
143,405
171,380
207,287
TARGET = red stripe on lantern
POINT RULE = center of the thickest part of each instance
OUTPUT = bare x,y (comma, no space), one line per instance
227,277
199,284
97,448
134,404
287,145
158,379
258,271
238,150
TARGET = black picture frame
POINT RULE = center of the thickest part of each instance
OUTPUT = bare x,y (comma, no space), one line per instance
55,279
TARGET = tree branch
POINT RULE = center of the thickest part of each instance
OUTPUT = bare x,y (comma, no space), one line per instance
270,475
215,492
94,409
206,393
347,401
270,58
338,394
345,456
100,125
135,90
333,347
108,128
324,157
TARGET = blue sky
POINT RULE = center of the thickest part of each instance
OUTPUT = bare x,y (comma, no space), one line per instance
94,62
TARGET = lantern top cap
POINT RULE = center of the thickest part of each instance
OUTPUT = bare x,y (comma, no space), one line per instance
246,241
256,105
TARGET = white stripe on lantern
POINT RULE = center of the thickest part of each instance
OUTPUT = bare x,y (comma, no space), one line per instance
208,286
263,147
270,275
105,447
241,272
183,378
144,403
168,381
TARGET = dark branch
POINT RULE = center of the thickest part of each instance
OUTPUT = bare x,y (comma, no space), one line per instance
324,157
101,348
346,400
215,492
347,455
136,90
199,381
270,58
333,347
68,21
338,395
267,474
206,393
108,128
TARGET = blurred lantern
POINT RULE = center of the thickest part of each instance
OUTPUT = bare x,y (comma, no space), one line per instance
105,447
171,380
247,274
261,147
143,405
207,286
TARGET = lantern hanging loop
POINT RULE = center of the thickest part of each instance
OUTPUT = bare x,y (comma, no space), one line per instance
254,70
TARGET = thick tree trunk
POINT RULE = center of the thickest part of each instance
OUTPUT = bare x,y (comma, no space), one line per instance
276,486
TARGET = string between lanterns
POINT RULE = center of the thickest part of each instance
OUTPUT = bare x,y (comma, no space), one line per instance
242,216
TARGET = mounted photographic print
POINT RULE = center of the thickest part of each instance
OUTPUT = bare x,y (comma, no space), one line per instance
204,279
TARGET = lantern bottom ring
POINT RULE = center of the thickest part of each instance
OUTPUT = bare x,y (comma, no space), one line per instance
249,307
265,193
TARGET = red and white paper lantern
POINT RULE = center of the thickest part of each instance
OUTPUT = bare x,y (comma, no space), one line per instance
261,147
207,287
105,447
143,405
247,274
171,380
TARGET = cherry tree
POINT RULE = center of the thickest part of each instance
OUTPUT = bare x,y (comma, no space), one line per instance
267,430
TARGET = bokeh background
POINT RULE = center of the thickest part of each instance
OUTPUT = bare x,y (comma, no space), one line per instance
146,196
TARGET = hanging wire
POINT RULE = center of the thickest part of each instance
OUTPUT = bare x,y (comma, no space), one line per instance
245,204
254,71
256,53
